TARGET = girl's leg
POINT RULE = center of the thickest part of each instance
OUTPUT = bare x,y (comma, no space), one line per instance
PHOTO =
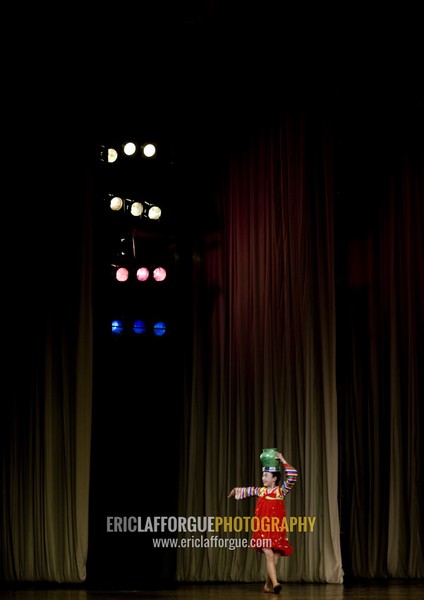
271,584
277,588
276,557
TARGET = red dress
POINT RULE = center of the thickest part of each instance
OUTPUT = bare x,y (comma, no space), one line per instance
269,524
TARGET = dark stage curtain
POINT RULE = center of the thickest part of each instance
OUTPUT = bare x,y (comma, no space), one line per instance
263,372
306,334
46,413
381,345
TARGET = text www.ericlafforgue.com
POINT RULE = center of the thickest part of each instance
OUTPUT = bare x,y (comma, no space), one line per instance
214,541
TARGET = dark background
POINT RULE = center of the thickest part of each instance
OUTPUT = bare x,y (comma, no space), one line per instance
202,77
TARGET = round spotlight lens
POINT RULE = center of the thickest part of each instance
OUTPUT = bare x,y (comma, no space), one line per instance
159,274
154,213
136,209
116,203
112,155
130,148
142,274
117,327
159,328
122,274
139,327
149,150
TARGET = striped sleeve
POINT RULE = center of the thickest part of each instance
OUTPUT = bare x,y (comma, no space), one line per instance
244,492
290,480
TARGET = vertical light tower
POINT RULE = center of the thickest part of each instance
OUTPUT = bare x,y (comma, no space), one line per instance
138,377
138,231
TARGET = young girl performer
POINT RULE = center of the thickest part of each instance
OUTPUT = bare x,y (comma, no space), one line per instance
271,537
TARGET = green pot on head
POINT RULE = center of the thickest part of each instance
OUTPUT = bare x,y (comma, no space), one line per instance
268,460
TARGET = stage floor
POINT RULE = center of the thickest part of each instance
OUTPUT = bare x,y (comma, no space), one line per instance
391,590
